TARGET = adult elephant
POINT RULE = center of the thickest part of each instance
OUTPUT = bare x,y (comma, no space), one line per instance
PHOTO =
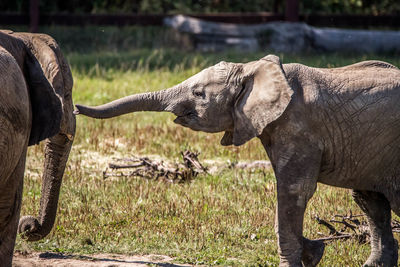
338,126
35,105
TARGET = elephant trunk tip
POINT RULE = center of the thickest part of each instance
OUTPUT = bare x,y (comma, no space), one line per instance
86,110
99,112
76,112
78,109
30,228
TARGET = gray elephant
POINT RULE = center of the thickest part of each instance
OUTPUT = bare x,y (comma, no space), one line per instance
338,126
35,105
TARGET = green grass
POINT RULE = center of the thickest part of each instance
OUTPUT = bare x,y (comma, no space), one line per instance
223,219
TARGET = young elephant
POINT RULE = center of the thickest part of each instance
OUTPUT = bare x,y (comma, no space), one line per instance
338,126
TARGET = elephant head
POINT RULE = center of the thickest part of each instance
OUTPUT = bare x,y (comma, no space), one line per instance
240,99
49,81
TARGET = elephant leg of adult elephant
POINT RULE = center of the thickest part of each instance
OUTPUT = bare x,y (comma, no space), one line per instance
10,206
383,245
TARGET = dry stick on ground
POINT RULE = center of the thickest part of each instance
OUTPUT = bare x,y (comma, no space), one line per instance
153,169
190,168
191,160
359,228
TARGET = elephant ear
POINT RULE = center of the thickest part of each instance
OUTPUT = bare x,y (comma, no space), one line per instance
264,96
40,67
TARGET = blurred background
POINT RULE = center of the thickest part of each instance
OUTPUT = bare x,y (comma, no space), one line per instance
347,13
46,15
149,18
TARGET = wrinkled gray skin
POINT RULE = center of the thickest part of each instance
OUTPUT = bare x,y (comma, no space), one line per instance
338,126
35,105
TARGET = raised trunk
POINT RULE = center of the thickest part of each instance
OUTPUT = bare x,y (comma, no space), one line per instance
153,101
56,155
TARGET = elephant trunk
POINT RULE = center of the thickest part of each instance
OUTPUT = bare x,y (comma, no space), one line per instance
153,101
57,150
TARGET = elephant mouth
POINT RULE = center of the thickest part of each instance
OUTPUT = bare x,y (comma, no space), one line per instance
186,119
179,120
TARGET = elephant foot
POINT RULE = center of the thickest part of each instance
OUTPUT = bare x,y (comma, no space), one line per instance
313,250
387,257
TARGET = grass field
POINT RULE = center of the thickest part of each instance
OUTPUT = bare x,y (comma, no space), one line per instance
223,219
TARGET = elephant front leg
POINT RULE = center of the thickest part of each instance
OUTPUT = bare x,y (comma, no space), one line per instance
292,201
296,176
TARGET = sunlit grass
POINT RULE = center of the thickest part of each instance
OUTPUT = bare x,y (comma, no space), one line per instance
226,219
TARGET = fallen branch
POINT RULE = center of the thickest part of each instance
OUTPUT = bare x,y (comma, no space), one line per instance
116,166
331,238
189,168
191,161
356,223
332,230
157,169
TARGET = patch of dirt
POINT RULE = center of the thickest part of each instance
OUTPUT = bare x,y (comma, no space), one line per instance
50,259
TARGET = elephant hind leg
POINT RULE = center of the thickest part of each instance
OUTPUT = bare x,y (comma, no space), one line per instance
383,246
10,206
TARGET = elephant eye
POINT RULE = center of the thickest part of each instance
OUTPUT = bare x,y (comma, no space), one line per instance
198,93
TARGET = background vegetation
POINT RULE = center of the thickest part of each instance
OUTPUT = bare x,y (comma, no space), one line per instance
372,7
221,219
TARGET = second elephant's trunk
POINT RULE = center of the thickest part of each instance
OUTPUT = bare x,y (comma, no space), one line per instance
153,101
